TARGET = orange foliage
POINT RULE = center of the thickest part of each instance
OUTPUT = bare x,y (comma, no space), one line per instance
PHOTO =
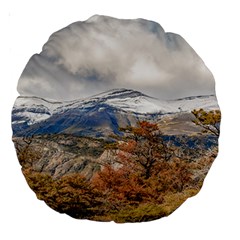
144,173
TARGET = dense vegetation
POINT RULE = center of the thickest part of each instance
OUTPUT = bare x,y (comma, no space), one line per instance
148,178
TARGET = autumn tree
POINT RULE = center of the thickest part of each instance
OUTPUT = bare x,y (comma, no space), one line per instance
146,169
209,121
143,148
71,194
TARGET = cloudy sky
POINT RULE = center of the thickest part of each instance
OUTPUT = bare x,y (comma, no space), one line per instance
104,53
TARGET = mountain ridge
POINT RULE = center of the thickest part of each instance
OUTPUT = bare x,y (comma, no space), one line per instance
100,114
49,100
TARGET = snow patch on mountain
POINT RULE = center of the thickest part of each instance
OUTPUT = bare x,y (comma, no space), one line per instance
188,104
33,109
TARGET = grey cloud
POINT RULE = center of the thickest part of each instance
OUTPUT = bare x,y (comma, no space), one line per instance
101,53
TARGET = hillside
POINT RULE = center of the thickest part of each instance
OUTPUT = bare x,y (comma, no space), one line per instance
102,115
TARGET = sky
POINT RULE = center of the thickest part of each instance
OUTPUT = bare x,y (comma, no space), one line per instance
103,53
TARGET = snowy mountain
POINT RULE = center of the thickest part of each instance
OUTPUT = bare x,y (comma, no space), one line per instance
98,115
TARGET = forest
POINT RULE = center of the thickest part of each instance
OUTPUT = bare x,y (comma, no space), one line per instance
144,175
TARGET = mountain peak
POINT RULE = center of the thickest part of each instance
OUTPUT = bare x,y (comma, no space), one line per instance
120,93
115,107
